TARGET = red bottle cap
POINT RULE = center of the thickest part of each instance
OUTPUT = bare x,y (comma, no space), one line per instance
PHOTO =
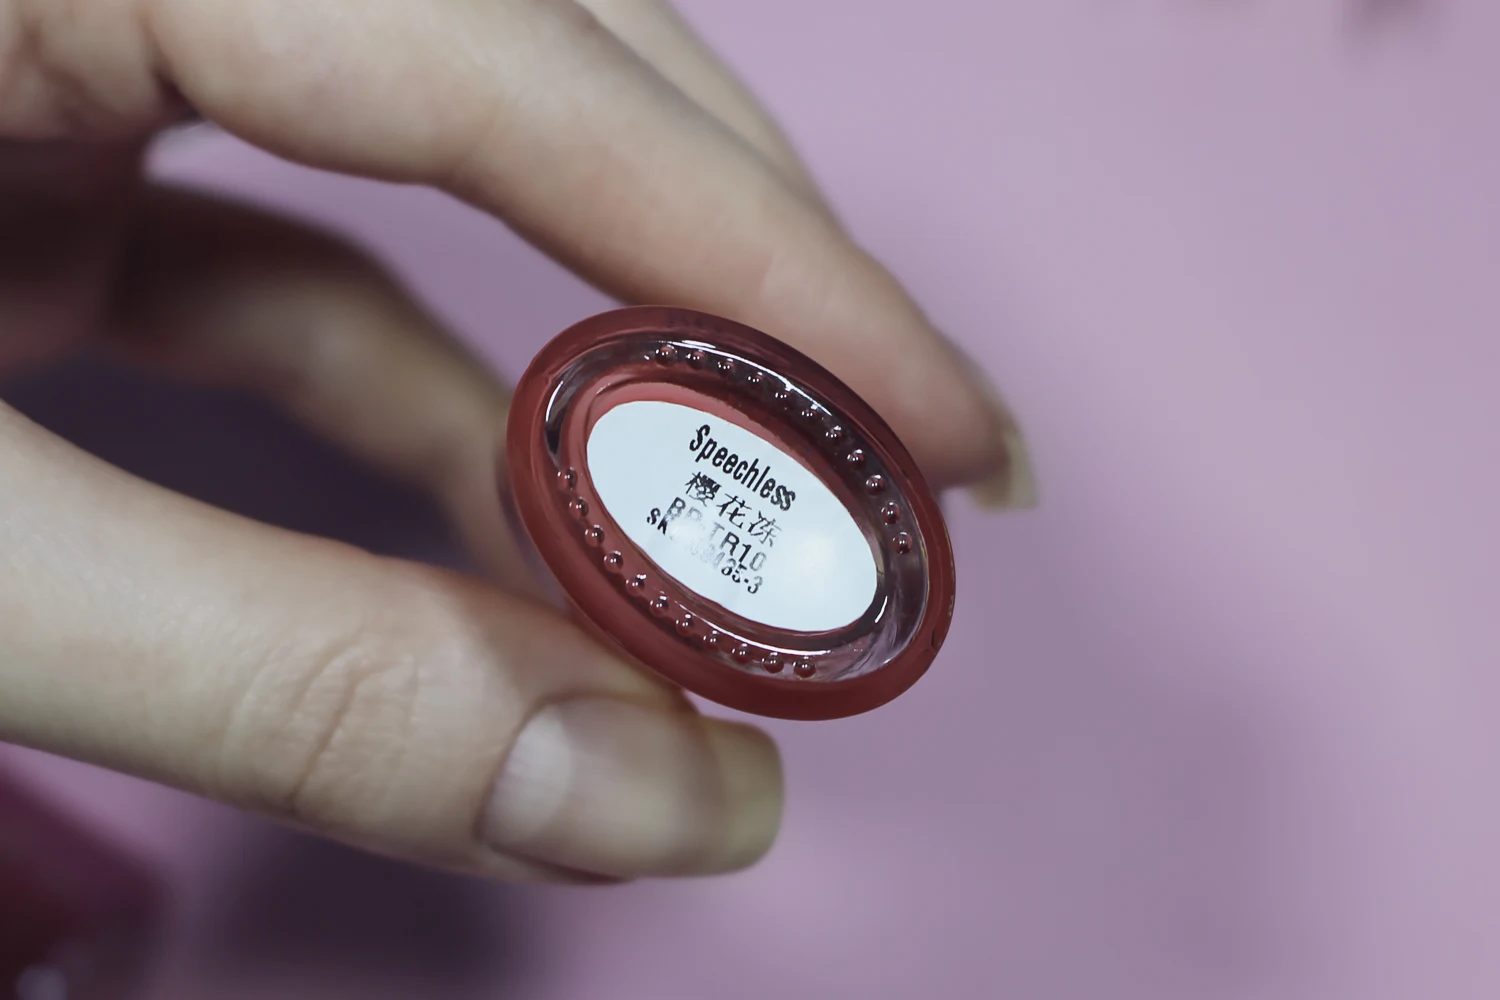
730,514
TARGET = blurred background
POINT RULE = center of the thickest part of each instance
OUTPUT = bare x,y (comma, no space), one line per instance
1219,720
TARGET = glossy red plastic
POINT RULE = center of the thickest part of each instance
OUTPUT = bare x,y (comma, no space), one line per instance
735,374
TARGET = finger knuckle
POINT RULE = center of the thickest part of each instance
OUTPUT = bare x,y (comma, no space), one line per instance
51,84
335,720
376,725
358,727
386,728
395,730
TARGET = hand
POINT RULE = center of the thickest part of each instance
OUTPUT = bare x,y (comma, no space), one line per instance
413,711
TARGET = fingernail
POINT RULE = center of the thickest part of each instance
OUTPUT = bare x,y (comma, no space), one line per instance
1013,484
612,787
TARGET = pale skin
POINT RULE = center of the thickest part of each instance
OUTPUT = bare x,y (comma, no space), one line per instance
438,717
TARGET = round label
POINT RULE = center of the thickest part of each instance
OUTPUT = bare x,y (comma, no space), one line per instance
731,516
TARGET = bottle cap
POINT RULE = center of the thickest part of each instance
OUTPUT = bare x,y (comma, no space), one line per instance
729,513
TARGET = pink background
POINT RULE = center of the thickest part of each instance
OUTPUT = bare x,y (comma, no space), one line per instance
1220,719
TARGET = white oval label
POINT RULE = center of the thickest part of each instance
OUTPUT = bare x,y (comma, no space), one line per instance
730,516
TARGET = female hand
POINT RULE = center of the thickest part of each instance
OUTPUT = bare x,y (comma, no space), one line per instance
410,710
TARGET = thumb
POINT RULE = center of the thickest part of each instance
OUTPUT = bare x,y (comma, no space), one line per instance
409,710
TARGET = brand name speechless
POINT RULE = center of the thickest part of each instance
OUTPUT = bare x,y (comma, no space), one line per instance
749,473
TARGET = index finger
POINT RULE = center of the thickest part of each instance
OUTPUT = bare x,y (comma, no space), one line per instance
537,113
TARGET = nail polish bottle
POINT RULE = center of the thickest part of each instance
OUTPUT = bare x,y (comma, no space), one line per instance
729,513
76,914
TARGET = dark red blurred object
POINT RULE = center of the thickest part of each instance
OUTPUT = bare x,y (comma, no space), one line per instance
76,913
